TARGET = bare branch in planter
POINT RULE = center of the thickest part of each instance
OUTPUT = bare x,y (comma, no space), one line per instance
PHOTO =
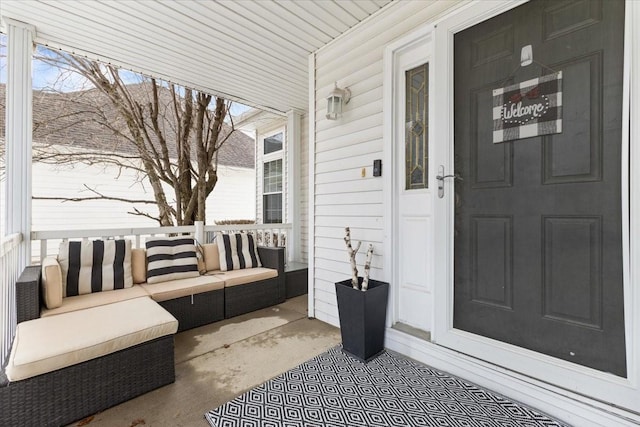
352,257
367,267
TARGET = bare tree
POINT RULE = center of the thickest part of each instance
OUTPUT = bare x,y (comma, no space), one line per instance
168,134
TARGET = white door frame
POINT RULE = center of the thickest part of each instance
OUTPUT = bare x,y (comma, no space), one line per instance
399,64
424,34
594,383
572,392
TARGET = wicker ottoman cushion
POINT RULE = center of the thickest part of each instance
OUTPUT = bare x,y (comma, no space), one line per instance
96,299
247,275
48,344
172,289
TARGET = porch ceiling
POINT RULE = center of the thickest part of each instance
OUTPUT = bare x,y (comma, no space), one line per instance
252,51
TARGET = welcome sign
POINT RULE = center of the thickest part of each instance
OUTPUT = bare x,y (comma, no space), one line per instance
527,109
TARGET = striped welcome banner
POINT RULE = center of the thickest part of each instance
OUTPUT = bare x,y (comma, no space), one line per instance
528,109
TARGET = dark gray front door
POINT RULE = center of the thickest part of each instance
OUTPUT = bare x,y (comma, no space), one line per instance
538,221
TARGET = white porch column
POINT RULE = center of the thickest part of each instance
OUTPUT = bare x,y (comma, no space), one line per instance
294,242
19,117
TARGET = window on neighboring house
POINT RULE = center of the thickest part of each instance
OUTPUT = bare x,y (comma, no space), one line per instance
272,192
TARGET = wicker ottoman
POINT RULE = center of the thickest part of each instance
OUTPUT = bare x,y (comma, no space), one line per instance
57,374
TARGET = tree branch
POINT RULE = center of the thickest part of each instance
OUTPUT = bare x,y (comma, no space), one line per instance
144,214
99,196
148,122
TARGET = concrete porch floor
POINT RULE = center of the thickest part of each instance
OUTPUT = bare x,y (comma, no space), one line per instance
217,362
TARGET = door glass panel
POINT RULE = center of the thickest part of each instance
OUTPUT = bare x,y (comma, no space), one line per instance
417,126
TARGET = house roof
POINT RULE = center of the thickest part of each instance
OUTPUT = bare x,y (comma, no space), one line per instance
67,119
254,52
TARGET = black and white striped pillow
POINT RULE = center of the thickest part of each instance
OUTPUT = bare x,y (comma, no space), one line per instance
101,265
237,251
171,258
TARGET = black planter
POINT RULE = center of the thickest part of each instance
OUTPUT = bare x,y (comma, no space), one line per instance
362,318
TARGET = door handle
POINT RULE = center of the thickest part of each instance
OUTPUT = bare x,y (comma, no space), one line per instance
441,177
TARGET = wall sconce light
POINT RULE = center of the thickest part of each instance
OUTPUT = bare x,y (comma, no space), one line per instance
335,100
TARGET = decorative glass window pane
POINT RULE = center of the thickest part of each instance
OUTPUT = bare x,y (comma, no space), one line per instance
272,176
273,143
272,208
417,128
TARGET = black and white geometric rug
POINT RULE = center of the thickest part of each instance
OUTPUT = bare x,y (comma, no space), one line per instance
334,389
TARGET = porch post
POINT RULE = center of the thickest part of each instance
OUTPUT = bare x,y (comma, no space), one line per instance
293,183
199,232
18,142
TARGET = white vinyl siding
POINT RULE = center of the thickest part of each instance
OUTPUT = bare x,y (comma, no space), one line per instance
232,198
345,146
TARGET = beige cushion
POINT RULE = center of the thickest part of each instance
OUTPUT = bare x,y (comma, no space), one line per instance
51,282
172,289
45,345
246,275
211,256
95,299
139,265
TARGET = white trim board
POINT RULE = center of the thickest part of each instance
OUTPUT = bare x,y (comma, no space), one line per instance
311,214
19,136
630,106
293,142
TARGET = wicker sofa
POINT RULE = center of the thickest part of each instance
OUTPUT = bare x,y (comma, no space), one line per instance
70,393
195,301
242,291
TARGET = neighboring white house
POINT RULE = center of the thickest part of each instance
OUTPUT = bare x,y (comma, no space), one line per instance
231,199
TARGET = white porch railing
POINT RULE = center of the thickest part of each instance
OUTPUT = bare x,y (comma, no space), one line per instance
50,239
266,235
9,272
